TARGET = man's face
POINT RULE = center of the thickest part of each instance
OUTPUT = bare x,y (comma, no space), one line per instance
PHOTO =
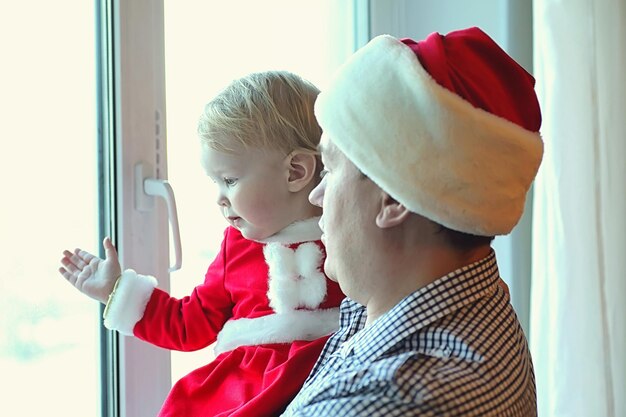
349,201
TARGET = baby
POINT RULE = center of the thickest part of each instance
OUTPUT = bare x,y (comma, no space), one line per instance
265,300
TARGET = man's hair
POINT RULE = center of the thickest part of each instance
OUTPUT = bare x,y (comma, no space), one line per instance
270,110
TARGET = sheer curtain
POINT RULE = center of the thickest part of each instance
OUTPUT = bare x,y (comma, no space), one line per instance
578,311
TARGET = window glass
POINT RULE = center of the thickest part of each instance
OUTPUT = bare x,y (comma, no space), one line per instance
207,44
49,349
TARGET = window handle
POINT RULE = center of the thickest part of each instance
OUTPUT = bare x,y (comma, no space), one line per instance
145,187
163,189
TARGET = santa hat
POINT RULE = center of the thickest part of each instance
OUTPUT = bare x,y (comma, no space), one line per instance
448,126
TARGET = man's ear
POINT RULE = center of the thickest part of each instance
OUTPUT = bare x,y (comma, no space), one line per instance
301,167
391,213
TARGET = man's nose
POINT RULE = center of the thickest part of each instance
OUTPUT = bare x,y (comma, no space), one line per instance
316,196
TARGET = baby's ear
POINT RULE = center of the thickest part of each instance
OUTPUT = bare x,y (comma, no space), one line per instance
301,166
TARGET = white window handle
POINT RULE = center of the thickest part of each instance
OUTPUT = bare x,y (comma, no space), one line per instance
159,188
163,189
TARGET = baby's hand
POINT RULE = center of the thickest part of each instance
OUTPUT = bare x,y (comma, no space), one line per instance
91,275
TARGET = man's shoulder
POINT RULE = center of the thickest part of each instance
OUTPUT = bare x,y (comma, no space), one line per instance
472,358
415,383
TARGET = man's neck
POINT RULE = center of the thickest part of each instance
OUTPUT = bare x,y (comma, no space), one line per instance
405,273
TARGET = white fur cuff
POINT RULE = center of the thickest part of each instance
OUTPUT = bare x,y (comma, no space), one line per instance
277,328
128,303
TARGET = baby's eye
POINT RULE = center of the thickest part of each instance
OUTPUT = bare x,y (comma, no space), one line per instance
230,181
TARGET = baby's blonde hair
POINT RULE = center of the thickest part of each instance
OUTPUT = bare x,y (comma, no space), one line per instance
269,110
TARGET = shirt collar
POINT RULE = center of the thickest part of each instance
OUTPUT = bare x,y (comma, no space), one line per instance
426,305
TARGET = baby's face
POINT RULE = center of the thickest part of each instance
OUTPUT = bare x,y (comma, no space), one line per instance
252,189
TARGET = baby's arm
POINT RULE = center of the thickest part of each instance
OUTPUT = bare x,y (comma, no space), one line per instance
135,306
191,322
125,294
91,275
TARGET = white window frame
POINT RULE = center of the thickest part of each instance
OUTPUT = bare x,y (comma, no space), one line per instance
136,376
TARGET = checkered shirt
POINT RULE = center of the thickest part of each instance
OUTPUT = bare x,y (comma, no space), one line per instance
452,348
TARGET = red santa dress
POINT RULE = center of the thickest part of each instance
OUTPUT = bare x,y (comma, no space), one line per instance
269,307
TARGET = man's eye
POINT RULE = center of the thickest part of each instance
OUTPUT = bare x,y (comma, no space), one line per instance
230,181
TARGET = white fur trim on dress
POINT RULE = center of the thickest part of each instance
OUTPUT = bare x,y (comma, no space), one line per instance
300,231
128,303
277,328
295,276
431,150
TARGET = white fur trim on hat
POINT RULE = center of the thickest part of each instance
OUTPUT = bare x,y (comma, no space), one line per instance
128,303
277,328
431,150
295,276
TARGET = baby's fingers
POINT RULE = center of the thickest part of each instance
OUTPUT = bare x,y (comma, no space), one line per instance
82,277
77,260
109,249
84,256
67,275
67,262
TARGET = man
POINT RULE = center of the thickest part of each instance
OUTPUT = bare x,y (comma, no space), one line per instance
429,149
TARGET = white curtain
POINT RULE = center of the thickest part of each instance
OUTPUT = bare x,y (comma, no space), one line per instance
578,298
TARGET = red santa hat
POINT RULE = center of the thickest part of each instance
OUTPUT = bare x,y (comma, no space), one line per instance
448,126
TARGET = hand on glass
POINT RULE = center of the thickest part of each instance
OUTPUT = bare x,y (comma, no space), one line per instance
91,275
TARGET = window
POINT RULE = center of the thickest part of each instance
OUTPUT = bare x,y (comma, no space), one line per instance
141,57
59,192
49,344
206,46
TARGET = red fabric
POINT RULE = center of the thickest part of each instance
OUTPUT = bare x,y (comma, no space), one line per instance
469,63
247,381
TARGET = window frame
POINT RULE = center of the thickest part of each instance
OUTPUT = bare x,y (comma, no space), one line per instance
136,376
131,129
